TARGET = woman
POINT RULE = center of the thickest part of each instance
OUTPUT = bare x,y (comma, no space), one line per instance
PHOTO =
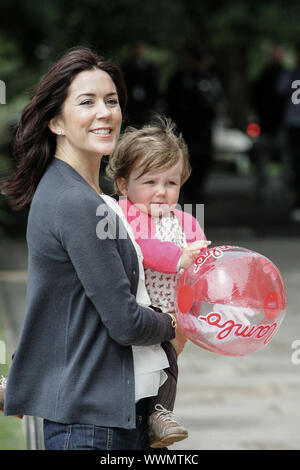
73,365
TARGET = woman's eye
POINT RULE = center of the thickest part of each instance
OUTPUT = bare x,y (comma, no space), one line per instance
86,102
172,183
149,182
112,102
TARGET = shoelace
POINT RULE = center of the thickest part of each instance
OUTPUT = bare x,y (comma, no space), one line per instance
165,414
3,382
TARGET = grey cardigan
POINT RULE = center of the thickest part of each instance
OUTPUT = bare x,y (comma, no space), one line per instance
73,363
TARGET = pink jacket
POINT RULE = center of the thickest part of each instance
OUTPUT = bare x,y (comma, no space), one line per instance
159,255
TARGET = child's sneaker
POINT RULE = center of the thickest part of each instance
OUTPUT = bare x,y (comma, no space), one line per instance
2,392
164,428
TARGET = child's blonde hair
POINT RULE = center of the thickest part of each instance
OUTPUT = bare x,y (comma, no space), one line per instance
152,147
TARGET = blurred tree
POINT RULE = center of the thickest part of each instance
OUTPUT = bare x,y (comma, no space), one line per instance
33,34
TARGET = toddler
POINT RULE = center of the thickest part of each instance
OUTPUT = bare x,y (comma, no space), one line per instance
148,167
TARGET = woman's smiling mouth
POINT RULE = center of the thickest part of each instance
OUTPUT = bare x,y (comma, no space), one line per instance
103,132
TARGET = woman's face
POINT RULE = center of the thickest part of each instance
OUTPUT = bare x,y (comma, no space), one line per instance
91,117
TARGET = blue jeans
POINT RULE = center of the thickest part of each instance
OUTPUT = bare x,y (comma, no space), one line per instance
58,436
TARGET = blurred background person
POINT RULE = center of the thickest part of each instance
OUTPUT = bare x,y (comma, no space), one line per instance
194,99
141,76
291,122
268,104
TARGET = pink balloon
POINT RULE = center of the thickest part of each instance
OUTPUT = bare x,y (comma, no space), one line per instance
231,301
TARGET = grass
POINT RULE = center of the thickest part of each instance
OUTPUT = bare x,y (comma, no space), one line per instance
12,435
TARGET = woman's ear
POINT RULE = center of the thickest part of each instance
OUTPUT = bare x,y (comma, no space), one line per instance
122,185
56,126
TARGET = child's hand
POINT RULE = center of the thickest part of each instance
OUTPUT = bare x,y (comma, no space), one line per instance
192,251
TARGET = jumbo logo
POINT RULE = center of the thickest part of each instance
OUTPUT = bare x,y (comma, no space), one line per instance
212,252
238,329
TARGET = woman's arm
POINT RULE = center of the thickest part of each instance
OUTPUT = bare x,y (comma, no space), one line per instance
100,269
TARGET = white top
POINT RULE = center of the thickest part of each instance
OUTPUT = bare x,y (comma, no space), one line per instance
149,361
160,286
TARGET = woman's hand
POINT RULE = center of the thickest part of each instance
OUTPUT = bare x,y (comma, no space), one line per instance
191,251
179,341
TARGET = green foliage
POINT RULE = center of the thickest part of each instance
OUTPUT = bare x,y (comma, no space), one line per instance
32,40
12,436
239,33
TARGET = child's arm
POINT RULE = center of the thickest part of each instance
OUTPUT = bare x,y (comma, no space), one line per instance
195,238
164,256
158,255
192,250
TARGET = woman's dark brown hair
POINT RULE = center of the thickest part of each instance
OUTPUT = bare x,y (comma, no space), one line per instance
34,143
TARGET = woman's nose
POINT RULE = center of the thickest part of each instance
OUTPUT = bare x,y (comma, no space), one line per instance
102,111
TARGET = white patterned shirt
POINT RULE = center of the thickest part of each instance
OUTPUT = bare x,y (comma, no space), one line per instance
161,286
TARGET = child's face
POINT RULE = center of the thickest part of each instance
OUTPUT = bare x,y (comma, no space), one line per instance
155,192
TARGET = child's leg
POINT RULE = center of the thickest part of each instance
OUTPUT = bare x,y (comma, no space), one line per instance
164,428
167,392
